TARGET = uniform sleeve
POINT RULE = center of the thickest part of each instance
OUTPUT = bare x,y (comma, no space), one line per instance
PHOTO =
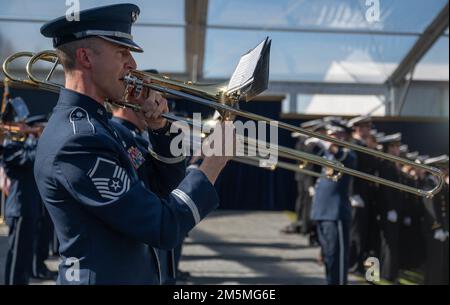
346,156
98,177
18,154
160,147
168,170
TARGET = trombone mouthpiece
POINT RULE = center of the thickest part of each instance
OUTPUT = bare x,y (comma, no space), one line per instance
134,85
132,80
135,82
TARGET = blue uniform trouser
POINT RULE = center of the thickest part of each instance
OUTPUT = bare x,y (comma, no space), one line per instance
44,232
177,255
334,241
20,253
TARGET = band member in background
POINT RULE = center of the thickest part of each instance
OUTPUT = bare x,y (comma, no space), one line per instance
436,228
361,197
389,205
412,241
305,183
332,210
161,174
22,207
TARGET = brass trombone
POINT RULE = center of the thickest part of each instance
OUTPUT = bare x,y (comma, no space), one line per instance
50,56
266,163
227,104
17,81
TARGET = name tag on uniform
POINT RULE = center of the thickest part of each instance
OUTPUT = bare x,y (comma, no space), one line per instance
136,157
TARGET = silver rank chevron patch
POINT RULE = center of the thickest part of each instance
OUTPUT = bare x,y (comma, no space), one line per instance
110,180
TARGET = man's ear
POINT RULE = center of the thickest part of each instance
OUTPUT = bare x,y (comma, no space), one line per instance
83,56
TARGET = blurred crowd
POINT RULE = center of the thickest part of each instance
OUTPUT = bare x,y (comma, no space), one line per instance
354,219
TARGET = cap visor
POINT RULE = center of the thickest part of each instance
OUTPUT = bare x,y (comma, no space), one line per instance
124,42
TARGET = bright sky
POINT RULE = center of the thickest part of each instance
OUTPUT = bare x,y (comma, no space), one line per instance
295,56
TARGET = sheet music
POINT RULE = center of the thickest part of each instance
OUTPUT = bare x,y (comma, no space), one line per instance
244,72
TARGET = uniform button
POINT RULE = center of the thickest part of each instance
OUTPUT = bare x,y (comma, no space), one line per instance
79,115
100,111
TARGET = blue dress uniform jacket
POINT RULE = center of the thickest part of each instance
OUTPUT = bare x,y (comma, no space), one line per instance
104,216
331,200
18,160
160,172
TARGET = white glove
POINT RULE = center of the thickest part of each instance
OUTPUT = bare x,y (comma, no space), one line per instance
356,201
407,221
392,216
192,166
311,191
326,144
312,141
440,235
323,144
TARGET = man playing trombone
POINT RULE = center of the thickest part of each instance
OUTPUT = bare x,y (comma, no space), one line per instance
104,216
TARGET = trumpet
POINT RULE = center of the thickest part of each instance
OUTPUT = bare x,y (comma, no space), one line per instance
227,104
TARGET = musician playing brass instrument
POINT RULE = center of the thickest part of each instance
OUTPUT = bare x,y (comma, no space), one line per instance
104,217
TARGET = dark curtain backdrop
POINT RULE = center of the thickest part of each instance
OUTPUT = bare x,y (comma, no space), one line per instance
250,188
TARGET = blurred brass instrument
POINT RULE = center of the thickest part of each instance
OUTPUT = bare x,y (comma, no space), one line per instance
227,104
50,56
18,131
255,160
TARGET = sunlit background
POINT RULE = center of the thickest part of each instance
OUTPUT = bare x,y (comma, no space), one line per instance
327,57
